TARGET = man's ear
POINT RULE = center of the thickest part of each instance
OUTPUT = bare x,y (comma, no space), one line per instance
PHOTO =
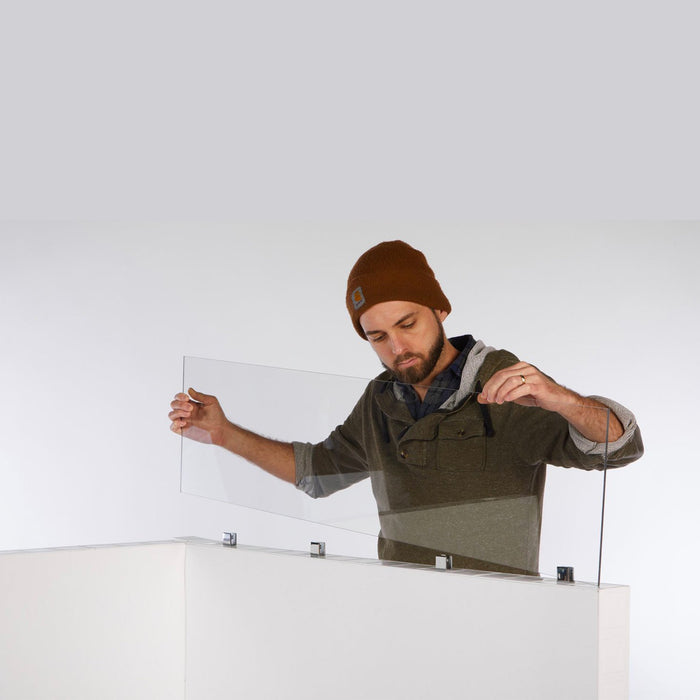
442,315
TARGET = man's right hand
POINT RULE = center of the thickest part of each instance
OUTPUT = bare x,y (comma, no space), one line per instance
199,417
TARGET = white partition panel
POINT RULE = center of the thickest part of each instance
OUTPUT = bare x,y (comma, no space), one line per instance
200,621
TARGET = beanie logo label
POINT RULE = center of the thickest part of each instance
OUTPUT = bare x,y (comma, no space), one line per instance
358,298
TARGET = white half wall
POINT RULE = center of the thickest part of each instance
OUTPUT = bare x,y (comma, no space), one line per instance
200,621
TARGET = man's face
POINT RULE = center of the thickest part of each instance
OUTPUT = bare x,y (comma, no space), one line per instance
408,339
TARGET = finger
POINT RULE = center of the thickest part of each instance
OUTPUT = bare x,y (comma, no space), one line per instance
523,391
179,416
514,383
206,399
492,386
504,374
181,397
182,405
518,372
511,377
501,382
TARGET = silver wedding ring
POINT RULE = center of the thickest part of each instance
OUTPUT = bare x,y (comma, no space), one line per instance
522,376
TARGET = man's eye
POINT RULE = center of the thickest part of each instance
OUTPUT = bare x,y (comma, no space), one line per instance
377,338
409,325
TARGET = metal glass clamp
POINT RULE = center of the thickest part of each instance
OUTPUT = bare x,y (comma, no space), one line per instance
229,539
318,549
565,573
443,561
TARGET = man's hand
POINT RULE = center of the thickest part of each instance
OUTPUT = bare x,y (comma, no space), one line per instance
526,385
201,419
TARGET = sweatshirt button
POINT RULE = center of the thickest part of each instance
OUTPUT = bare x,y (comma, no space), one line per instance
404,454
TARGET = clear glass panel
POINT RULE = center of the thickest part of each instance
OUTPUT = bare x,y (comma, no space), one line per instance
468,480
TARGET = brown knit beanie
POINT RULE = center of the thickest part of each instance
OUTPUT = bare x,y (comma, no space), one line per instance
392,271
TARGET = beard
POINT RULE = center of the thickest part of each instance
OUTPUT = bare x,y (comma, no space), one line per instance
425,365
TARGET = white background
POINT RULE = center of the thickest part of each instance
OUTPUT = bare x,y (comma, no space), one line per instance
248,155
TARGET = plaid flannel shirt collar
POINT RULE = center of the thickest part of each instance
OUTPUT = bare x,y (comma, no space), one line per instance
442,387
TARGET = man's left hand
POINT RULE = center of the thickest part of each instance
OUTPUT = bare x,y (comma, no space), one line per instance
526,385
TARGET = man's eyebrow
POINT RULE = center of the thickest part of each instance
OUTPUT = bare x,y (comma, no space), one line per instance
403,319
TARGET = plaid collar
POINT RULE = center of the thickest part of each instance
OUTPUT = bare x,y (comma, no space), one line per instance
442,387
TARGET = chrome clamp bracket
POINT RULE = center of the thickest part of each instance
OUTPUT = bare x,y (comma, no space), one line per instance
318,549
565,573
443,561
229,539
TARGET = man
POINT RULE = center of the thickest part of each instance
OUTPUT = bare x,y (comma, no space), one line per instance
454,435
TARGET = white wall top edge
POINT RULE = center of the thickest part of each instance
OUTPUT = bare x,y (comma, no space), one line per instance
203,542
104,545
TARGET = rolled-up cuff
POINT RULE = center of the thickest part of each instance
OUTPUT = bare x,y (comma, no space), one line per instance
626,418
304,480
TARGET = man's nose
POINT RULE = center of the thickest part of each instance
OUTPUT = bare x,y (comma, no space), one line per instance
398,347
